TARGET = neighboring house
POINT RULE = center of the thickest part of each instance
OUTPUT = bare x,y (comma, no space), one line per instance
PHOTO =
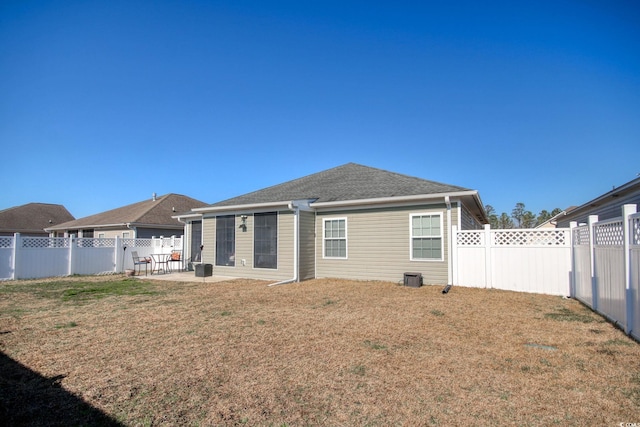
351,221
553,221
153,217
32,219
606,206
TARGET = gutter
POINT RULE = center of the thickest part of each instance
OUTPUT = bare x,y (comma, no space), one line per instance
393,199
296,245
73,227
241,207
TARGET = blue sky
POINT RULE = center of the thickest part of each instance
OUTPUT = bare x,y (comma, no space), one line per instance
103,103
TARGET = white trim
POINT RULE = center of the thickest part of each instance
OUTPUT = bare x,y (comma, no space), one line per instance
269,206
385,200
346,238
441,237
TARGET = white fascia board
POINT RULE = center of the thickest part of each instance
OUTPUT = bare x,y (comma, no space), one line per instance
168,226
84,227
387,200
189,215
250,206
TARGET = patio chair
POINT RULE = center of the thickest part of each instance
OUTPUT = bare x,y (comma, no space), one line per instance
138,262
176,256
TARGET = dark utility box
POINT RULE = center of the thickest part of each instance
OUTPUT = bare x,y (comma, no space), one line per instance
204,270
413,279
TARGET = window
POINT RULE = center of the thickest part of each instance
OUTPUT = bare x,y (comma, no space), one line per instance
226,240
426,237
265,240
335,238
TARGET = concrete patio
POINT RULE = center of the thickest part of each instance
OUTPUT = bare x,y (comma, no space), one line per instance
184,276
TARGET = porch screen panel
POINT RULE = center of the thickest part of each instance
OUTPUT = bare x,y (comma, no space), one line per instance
226,240
265,243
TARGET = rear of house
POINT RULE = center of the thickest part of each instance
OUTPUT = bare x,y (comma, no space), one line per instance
351,222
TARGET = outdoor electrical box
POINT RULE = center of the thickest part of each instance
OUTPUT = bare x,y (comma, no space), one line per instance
204,270
413,279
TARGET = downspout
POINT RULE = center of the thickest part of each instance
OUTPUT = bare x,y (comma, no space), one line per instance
296,221
447,201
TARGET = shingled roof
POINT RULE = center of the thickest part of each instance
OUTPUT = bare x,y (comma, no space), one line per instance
32,218
156,211
347,182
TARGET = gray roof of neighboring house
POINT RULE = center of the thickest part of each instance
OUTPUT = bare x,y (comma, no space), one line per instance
628,192
156,212
32,217
347,182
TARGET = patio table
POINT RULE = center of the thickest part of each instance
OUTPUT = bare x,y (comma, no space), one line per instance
160,263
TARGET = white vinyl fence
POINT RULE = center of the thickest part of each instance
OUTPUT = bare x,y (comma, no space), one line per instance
525,260
37,257
598,264
606,268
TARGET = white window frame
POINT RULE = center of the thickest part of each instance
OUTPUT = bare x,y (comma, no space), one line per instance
324,238
441,237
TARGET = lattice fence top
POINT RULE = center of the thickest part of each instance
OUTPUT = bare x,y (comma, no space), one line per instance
635,230
167,242
136,243
529,238
581,235
6,242
96,243
470,238
45,242
609,234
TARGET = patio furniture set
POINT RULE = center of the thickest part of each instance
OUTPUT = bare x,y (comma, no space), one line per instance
157,263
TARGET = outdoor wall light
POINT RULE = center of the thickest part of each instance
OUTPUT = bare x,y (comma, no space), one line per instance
243,225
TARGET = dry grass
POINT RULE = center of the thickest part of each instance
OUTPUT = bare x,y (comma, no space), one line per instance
325,352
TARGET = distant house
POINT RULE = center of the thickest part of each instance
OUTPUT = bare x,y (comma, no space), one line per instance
553,221
153,217
351,221
32,219
607,206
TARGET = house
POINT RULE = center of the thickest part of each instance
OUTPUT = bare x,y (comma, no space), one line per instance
553,221
145,219
607,206
32,218
352,221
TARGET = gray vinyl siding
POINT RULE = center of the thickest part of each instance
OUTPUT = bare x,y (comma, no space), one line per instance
244,249
468,222
378,245
306,269
209,240
604,212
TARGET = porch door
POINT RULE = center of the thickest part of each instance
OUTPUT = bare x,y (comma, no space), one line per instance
196,240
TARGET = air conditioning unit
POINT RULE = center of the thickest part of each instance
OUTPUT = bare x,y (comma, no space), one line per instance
413,279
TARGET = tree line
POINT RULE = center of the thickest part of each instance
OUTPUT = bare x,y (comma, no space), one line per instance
520,217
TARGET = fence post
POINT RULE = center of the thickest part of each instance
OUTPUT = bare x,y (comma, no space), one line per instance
72,254
488,273
17,245
454,254
119,260
572,276
627,211
594,285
